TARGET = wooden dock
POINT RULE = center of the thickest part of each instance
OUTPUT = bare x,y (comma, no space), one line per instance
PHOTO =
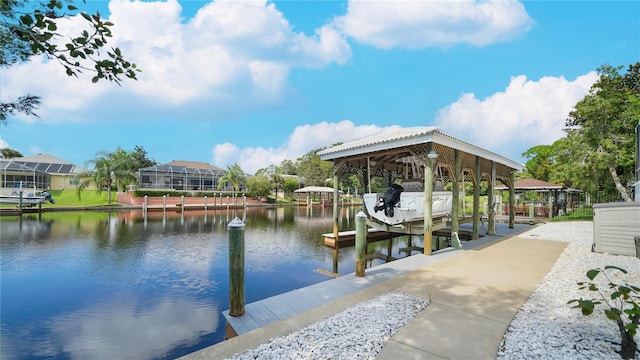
348,238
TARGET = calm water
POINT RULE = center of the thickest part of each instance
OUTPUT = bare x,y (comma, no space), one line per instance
97,285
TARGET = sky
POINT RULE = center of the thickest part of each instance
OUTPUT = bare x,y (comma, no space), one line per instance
259,82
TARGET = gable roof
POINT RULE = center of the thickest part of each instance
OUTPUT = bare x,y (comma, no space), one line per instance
532,184
390,150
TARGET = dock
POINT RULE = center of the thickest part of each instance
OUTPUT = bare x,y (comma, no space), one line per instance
348,238
264,312
292,309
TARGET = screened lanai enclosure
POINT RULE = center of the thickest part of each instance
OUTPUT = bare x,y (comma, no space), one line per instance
16,176
180,175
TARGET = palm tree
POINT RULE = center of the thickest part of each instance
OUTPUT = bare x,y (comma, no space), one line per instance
101,175
109,169
123,164
233,175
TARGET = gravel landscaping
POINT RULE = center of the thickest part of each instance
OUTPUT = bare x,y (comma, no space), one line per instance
546,327
358,332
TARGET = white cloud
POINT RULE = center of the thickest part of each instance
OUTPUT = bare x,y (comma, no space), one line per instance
525,114
302,140
419,24
509,122
230,55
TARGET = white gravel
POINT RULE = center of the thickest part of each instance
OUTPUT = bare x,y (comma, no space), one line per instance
546,327
358,332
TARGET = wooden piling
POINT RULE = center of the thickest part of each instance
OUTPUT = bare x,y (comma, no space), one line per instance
361,242
236,267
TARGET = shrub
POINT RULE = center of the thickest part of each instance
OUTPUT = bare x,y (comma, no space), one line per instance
620,304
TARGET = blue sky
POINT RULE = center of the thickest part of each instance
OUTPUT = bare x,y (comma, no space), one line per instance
257,82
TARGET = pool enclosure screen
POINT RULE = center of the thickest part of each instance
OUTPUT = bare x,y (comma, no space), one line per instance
179,177
16,175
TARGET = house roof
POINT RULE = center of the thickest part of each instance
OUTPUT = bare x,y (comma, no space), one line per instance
315,189
49,164
532,184
193,165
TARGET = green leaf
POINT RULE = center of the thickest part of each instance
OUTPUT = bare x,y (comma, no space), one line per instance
591,274
615,268
611,314
26,19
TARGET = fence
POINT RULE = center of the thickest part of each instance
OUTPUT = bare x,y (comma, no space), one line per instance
580,205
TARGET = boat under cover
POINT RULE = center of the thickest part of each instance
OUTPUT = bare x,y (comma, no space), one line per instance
410,208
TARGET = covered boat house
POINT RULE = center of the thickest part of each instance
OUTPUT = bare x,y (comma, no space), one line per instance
424,153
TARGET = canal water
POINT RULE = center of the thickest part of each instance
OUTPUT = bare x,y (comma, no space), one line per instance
120,285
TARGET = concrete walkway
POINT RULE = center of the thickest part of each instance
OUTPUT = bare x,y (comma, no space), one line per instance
473,295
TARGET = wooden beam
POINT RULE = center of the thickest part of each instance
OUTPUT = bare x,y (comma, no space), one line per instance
476,201
428,201
455,178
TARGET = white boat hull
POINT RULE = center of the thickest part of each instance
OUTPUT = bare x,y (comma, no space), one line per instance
410,208
9,199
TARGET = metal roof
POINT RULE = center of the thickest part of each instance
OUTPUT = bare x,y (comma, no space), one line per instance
315,189
532,184
391,149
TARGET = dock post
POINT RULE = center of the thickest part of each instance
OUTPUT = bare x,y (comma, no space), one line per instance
182,202
205,204
236,267
145,204
361,242
164,203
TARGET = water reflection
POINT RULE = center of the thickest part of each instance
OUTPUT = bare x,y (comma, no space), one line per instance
128,286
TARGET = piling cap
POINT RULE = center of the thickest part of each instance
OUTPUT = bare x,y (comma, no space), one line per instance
235,223
361,214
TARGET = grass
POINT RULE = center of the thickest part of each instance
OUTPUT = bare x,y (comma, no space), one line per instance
86,198
585,213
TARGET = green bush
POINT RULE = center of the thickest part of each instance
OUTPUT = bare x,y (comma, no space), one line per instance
620,305
178,193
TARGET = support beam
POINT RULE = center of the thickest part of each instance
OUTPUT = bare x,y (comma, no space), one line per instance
491,226
476,200
455,178
512,200
336,217
428,200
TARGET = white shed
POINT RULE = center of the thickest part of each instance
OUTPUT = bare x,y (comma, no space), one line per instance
614,227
